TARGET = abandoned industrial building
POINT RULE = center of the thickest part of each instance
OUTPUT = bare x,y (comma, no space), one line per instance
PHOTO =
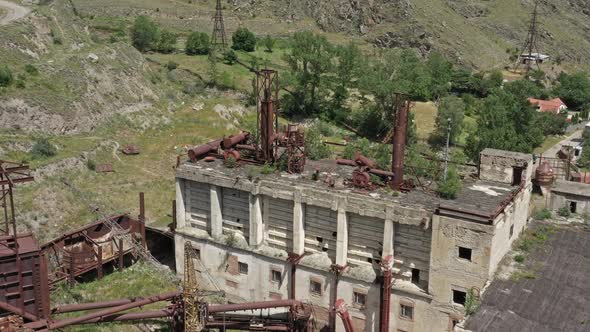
312,238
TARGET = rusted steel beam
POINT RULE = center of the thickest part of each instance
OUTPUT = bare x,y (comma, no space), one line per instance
230,141
364,161
92,306
121,255
246,326
386,266
342,311
245,147
197,152
252,306
142,219
132,316
99,262
10,308
346,162
380,172
112,311
399,140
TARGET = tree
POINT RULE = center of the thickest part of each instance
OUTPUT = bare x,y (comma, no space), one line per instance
269,43
347,70
441,72
244,40
574,90
144,33
451,108
551,124
310,61
450,187
43,149
6,77
166,42
197,43
213,72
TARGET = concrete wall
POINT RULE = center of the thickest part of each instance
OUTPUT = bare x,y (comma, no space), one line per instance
499,166
559,200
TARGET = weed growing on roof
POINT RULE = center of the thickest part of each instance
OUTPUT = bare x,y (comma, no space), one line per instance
543,214
471,302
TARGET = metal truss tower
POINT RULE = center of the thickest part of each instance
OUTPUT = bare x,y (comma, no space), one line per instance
529,53
218,40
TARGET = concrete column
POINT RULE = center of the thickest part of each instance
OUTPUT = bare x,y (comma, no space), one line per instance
179,254
180,210
216,215
388,235
298,228
256,224
342,239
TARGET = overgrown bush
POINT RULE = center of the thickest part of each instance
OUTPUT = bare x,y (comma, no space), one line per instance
519,258
268,43
144,33
543,214
43,149
471,302
450,188
244,40
197,43
166,42
171,65
267,169
91,165
6,77
314,145
231,162
564,212
31,69
230,57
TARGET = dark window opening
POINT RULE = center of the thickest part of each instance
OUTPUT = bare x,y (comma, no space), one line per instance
243,268
459,297
511,230
370,260
359,299
315,287
325,249
334,234
517,175
380,253
573,207
320,239
415,276
276,276
465,253
406,311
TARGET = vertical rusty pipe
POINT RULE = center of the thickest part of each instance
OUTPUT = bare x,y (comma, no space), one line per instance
99,262
293,274
399,141
120,255
333,298
72,280
386,267
142,219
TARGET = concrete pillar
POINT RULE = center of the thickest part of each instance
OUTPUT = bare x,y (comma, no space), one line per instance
256,224
298,228
179,254
388,235
342,239
180,209
215,210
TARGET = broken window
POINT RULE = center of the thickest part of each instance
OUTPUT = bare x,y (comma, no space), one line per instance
275,275
459,297
573,207
517,175
359,298
465,253
315,287
415,276
243,268
406,311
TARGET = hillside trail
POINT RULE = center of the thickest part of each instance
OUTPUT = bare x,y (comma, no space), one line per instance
13,12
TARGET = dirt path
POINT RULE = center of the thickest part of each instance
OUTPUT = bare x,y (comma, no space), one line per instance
12,12
570,140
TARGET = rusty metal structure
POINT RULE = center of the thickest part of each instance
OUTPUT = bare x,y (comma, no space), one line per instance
402,109
218,39
268,145
386,268
342,311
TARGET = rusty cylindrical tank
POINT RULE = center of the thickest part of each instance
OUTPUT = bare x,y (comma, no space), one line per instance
544,174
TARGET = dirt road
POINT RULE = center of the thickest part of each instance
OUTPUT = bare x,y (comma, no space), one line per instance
570,140
11,12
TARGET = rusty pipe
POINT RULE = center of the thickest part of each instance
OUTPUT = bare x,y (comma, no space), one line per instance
380,172
10,308
91,306
199,151
211,309
342,311
241,326
111,311
364,161
399,142
132,316
346,162
245,147
386,267
230,141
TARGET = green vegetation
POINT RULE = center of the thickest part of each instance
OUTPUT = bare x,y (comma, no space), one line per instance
197,44
543,214
472,302
267,169
230,57
91,164
314,144
519,258
523,274
243,40
451,113
166,42
144,33
564,212
268,43
43,149
31,69
6,77
574,90
451,187
532,239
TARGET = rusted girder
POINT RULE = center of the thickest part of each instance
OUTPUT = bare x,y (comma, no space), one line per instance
230,141
386,266
342,311
211,309
91,306
399,140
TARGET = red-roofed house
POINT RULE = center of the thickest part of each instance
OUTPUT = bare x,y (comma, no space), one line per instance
554,106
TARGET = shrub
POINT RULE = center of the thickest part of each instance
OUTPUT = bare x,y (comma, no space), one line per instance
268,43
471,302
243,39
230,57
91,164
20,83
6,77
314,145
231,162
197,43
267,169
31,69
519,258
144,33
564,212
43,149
171,65
450,188
543,214
166,42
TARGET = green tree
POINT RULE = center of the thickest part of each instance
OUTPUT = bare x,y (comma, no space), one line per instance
144,33
574,90
213,72
310,61
166,42
268,43
551,124
244,40
230,57
441,72
450,187
197,43
6,77
346,73
314,145
450,109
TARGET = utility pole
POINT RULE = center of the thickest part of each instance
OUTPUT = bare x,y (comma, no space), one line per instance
530,46
449,121
218,40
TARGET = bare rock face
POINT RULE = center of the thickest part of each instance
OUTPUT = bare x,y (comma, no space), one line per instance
410,38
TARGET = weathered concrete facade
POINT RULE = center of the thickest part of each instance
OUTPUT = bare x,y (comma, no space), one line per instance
246,228
571,195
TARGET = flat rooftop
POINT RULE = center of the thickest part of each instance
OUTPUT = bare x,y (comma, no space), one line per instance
477,195
557,299
572,188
